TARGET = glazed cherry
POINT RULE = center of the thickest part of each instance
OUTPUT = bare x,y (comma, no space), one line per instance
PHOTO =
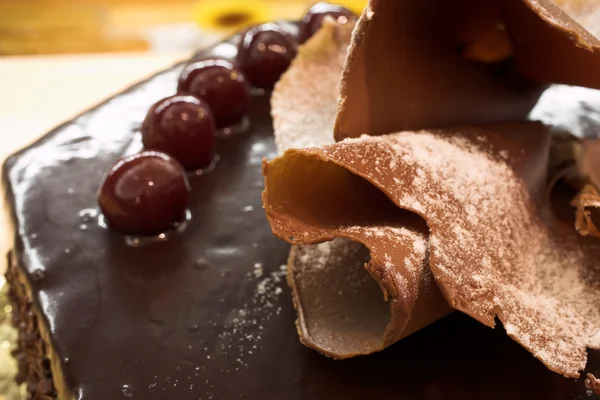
144,194
313,19
222,85
182,126
265,52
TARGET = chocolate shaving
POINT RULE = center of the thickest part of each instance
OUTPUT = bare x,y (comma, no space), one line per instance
593,383
458,62
487,235
587,215
494,247
304,108
342,310
575,162
549,45
424,80
585,12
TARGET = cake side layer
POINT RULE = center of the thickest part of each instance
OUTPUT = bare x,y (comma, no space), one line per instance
31,353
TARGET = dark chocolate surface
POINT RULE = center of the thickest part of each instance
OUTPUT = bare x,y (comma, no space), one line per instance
194,317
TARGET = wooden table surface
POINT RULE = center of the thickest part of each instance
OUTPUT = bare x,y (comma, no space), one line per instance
38,93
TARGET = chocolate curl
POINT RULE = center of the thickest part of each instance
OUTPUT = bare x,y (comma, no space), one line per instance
575,162
405,279
409,68
495,247
587,202
587,215
458,62
549,45
585,12
304,101
342,311
593,383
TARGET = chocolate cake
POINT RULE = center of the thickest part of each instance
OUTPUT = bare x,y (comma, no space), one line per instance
204,312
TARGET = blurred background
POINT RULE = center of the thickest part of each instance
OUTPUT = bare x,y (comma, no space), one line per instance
59,57
87,26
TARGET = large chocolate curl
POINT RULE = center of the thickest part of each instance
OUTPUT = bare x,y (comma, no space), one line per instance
549,45
432,64
495,247
342,311
415,65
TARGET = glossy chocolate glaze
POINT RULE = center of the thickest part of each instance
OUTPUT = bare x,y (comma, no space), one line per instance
196,317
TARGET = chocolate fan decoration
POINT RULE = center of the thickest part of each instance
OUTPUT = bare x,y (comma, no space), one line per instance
466,206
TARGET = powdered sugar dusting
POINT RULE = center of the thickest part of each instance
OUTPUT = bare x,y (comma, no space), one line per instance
243,328
341,309
318,256
304,117
327,285
389,240
490,251
489,248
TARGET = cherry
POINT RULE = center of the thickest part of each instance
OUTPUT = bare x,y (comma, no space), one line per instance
265,52
182,126
222,85
144,194
313,19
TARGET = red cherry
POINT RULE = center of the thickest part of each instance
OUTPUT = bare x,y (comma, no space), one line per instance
144,194
222,85
313,19
265,52
182,126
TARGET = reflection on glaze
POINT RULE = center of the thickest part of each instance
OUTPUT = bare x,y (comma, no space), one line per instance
49,306
224,50
235,129
258,152
88,214
223,252
201,264
259,92
37,274
207,170
102,222
178,228
127,391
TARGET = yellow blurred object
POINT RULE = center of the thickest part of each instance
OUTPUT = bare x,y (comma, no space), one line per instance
58,28
231,15
78,26
356,6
